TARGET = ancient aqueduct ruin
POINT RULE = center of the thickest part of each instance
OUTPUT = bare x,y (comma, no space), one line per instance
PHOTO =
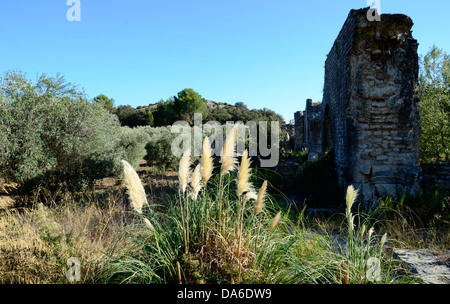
369,113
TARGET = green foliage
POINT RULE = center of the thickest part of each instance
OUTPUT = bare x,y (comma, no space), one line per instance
240,105
180,107
51,135
434,91
106,102
150,118
221,115
189,102
131,117
431,208
166,113
158,148
240,112
274,178
224,113
132,145
301,156
158,114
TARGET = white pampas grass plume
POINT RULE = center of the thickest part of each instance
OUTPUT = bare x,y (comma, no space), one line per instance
228,159
135,191
196,182
250,195
276,220
243,177
207,163
259,205
184,171
371,231
383,240
363,230
350,197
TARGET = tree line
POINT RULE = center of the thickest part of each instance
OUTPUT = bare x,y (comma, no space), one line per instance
182,107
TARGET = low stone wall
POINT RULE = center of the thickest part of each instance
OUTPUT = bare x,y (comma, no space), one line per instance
436,173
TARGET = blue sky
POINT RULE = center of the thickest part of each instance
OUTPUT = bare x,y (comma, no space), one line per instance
265,53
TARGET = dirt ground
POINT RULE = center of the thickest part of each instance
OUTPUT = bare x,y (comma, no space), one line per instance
159,186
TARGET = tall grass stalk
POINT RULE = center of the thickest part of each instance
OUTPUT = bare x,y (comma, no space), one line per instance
206,162
228,162
243,186
183,177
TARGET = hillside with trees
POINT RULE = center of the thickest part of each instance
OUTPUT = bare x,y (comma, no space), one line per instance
182,107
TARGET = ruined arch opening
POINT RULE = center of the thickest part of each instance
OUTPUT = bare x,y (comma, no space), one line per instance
328,138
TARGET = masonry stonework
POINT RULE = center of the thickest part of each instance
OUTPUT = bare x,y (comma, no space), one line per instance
369,113
299,135
308,129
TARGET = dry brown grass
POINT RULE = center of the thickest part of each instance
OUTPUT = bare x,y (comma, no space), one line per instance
6,202
222,256
35,244
410,235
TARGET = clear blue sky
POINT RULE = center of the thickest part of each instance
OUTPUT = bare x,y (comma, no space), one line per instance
265,53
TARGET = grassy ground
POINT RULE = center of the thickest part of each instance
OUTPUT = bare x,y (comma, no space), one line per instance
216,238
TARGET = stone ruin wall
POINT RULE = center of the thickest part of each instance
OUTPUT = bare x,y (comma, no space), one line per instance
369,112
313,129
308,129
371,86
299,135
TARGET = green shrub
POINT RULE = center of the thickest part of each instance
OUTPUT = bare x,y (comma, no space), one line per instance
51,135
159,152
132,144
430,209
302,156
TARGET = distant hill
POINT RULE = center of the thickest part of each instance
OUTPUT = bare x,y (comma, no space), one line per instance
217,111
